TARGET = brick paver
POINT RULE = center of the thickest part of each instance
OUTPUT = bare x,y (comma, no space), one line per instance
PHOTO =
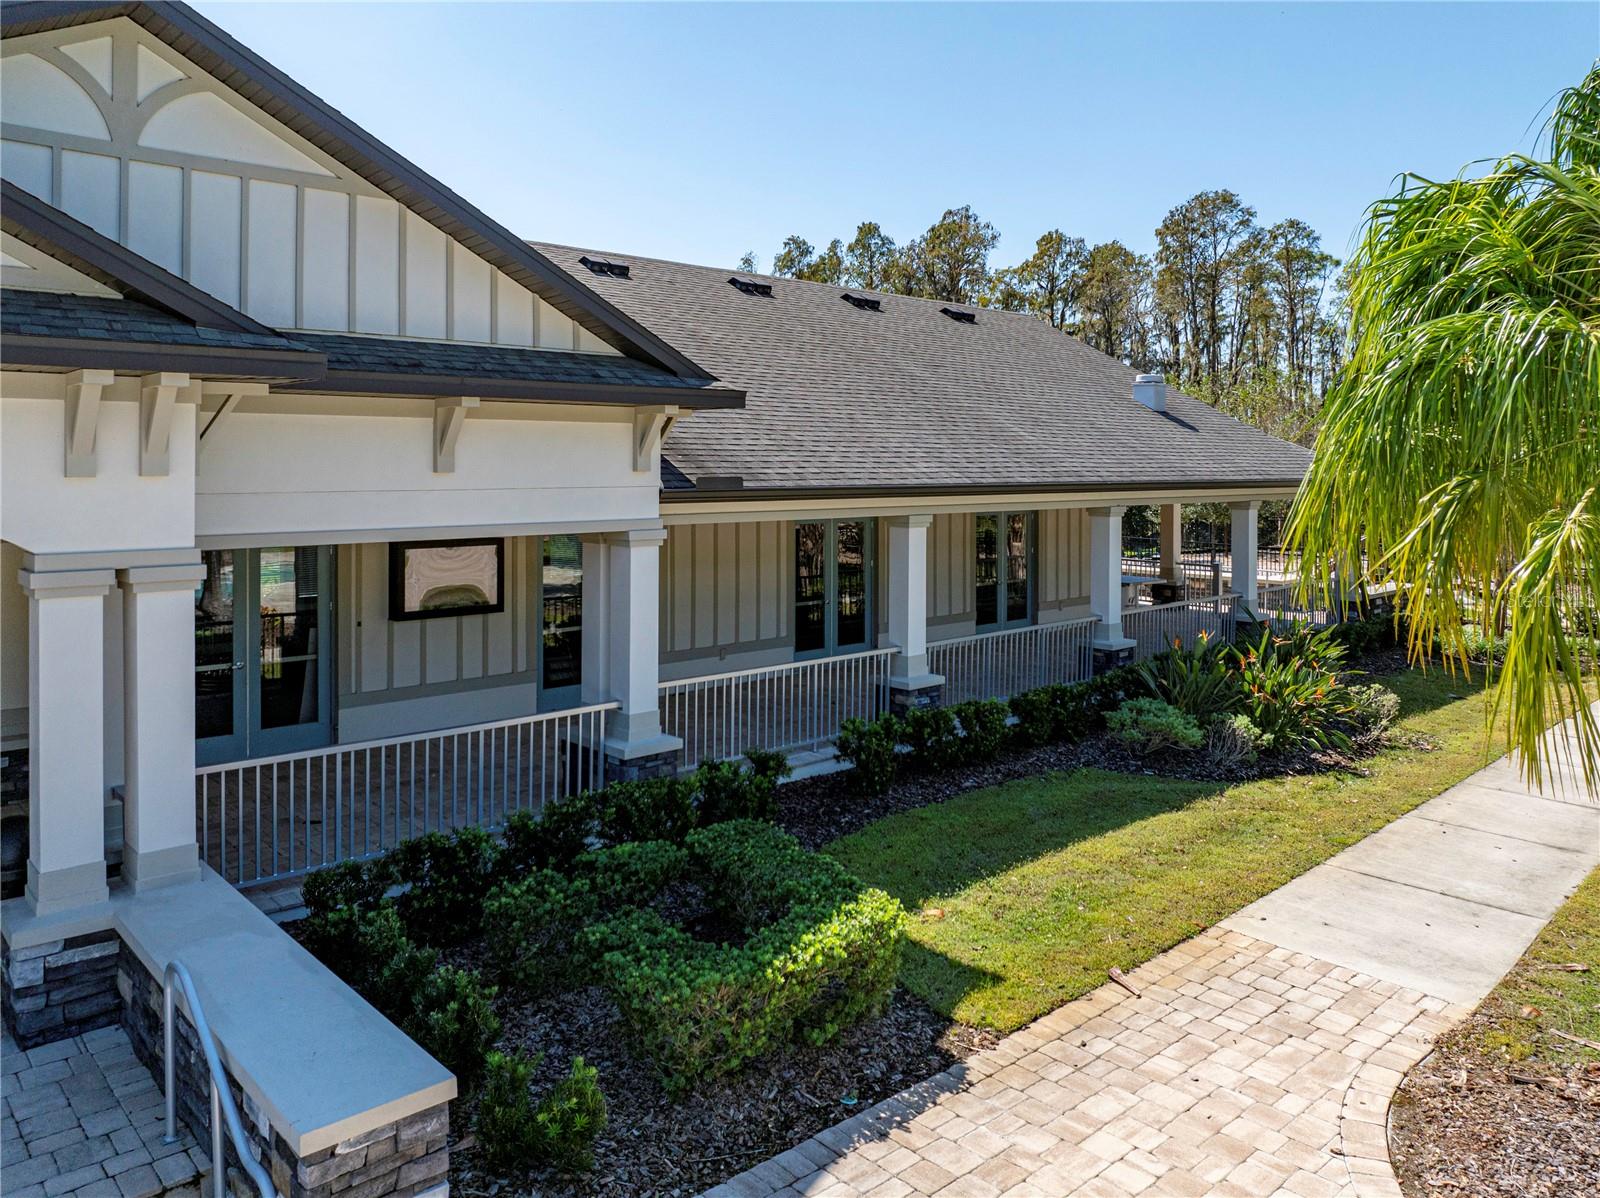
82,1118
1241,1068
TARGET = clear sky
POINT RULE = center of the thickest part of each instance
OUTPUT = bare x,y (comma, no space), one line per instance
699,131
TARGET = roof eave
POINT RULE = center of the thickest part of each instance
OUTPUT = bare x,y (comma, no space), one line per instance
1152,487
82,353
364,382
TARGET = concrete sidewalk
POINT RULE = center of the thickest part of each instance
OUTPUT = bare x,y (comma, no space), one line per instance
1261,1056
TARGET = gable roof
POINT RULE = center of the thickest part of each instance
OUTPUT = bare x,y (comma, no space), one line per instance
163,322
287,102
905,398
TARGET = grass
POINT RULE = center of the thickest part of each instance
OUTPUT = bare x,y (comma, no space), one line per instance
1039,886
1536,999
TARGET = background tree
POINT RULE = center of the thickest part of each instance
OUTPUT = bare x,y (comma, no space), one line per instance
1114,279
1461,447
949,262
750,264
1048,284
869,258
794,256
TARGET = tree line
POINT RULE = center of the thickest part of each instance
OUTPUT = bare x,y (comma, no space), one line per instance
1248,317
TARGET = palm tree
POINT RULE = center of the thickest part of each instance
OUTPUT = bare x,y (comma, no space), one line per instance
1461,448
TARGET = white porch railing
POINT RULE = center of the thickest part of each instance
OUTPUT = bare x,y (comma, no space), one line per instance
1282,604
797,705
278,816
997,665
1155,628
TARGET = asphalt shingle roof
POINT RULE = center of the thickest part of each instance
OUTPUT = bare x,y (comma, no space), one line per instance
840,397
388,355
101,318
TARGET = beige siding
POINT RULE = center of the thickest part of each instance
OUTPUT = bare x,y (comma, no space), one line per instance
378,655
950,571
1063,560
724,589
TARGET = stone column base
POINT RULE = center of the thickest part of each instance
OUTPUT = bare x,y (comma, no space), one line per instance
908,694
658,757
1108,655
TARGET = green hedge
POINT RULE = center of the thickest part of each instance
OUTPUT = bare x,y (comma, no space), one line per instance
822,952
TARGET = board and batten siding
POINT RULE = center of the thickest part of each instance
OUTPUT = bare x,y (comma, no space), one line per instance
1063,564
117,129
401,676
726,597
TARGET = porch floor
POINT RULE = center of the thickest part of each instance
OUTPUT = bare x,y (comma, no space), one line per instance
83,1117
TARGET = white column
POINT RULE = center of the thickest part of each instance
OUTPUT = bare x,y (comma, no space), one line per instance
633,652
1172,542
1245,554
908,601
595,636
158,669
66,737
1105,576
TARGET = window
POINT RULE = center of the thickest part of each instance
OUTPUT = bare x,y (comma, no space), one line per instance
1004,569
561,645
832,586
446,578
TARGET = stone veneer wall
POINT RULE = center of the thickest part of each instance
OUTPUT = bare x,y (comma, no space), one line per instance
60,988
405,1159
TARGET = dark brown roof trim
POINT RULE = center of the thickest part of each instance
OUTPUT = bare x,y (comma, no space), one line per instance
71,353
269,89
353,382
71,242
1155,487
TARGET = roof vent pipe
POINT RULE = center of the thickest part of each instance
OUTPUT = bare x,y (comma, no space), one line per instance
1151,391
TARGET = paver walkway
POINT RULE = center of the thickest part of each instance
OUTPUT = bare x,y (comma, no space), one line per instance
83,1118
1259,1058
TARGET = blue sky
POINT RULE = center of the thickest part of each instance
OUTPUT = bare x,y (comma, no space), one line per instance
699,131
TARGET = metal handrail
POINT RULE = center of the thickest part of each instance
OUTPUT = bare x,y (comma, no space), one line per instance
733,675
995,637
222,1106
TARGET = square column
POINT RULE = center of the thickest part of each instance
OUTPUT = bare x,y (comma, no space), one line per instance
66,737
1172,542
1245,555
635,745
595,637
910,683
158,667
1105,584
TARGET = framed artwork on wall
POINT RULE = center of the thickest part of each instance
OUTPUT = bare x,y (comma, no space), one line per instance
446,578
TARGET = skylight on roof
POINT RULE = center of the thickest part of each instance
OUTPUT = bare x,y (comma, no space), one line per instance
963,317
751,287
617,270
862,302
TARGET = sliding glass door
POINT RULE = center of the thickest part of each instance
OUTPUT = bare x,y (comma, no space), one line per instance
832,587
1004,570
263,682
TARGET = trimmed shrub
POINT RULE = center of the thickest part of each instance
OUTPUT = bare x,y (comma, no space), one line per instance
532,925
1036,717
727,790
983,729
650,809
452,1017
559,1130
769,763
822,952
553,839
931,736
1148,725
871,747
358,945
359,884
448,877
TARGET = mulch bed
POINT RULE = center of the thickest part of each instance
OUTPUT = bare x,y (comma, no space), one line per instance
1468,1124
654,1145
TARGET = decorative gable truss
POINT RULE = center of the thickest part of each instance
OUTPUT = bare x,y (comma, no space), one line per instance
109,124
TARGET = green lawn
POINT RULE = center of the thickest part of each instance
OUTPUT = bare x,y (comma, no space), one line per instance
1047,882
1538,999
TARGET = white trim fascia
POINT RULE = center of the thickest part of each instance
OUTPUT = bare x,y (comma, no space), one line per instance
726,511
432,532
